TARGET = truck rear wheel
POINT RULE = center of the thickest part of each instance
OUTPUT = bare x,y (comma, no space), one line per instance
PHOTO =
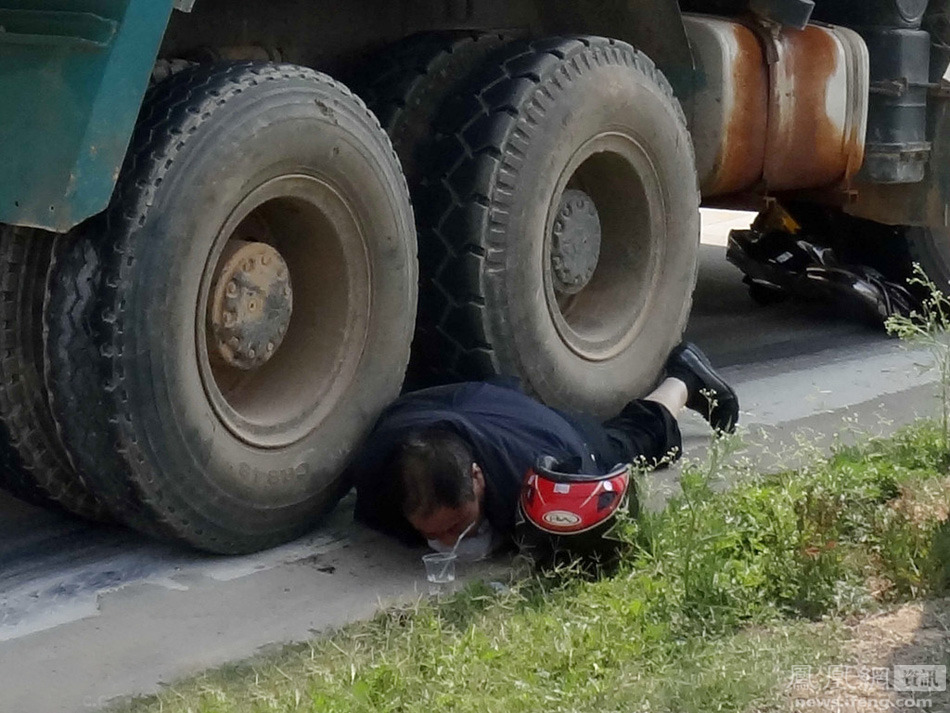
407,88
563,224
33,462
409,83
252,310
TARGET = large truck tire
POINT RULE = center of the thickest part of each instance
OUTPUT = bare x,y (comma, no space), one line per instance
33,463
407,87
75,379
251,309
408,84
562,224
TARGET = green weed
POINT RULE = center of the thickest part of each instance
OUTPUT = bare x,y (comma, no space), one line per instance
929,327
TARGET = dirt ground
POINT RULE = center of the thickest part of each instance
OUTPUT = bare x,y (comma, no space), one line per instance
915,635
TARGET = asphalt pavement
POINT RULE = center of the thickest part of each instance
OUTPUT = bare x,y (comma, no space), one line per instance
89,614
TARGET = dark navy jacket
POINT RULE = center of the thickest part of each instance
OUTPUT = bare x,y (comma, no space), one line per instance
507,431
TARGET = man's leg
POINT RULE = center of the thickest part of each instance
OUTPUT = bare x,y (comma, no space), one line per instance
672,394
707,392
648,428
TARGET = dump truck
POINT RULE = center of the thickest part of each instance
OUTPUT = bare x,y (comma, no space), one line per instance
230,228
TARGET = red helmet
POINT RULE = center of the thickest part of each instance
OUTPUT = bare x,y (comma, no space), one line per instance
563,510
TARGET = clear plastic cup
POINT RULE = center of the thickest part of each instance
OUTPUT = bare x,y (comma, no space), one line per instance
440,570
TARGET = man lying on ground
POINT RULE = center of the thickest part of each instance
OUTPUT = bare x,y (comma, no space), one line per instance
451,459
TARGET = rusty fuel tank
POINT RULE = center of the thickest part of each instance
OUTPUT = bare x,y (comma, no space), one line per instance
777,109
730,116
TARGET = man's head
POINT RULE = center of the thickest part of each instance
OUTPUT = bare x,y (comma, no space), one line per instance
441,488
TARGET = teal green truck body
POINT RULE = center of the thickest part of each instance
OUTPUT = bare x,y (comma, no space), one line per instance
72,77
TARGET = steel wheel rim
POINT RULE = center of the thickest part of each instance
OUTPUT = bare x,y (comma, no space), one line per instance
319,236
603,319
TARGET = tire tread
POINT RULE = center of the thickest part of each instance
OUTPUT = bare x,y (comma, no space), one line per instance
482,147
33,461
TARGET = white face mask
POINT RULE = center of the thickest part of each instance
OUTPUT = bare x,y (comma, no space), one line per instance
473,548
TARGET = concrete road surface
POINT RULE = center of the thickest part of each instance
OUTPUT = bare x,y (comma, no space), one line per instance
88,614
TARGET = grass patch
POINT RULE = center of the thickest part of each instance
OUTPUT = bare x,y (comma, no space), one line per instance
709,609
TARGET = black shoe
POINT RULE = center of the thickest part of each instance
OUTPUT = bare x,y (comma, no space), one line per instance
709,394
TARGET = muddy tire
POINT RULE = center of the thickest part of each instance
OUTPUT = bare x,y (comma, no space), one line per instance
74,377
409,83
33,463
560,229
250,293
407,87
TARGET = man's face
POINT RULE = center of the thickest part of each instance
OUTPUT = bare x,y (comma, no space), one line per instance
446,524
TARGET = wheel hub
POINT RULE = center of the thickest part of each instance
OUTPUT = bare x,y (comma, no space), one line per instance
575,242
251,305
